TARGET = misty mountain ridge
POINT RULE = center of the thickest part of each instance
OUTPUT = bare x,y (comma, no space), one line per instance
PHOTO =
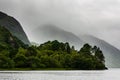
14,27
51,32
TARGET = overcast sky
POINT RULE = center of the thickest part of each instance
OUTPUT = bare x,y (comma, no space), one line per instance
100,18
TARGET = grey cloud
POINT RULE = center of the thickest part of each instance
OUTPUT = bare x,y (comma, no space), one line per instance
100,18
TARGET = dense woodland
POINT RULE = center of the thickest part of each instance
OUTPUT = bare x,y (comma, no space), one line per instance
14,54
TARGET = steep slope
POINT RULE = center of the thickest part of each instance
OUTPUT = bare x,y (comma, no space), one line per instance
13,26
51,32
112,54
8,41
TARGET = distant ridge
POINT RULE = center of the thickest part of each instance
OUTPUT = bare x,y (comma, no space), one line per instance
51,32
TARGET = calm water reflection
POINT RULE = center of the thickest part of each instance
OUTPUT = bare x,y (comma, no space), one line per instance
111,74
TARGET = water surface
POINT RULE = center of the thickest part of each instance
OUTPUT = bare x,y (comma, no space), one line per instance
111,74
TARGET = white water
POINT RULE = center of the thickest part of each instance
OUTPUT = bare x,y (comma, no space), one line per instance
111,74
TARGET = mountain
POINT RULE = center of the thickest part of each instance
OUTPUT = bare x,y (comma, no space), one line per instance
51,32
112,54
8,41
13,26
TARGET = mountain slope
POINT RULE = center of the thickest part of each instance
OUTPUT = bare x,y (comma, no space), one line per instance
7,40
51,32
112,54
13,26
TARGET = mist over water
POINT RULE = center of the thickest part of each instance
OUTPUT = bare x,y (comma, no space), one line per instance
61,75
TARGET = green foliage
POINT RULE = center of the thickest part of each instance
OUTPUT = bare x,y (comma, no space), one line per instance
6,62
67,48
20,61
31,51
86,49
52,54
33,62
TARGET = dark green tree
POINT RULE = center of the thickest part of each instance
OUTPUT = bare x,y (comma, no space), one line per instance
6,62
67,47
55,45
31,51
20,61
86,49
100,55
33,62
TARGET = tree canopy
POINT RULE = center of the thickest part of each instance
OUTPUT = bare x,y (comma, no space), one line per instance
53,54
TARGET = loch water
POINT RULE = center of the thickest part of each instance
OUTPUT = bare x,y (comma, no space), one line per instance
110,74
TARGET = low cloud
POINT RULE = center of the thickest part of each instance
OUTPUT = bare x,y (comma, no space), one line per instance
100,18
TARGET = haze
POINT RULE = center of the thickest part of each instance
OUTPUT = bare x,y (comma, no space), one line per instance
100,18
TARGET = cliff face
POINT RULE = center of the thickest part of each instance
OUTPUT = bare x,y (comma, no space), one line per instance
14,27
